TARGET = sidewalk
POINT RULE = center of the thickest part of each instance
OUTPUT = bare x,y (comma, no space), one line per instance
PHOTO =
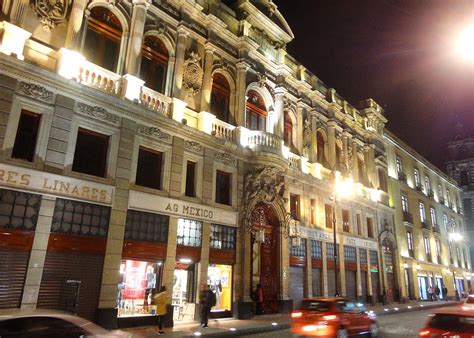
228,327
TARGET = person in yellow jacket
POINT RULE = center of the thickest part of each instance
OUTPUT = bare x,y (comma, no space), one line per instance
161,301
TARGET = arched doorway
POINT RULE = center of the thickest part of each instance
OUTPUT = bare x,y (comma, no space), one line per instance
389,259
266,256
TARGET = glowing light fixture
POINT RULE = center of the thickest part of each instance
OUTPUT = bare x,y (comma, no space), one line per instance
465,44
12,39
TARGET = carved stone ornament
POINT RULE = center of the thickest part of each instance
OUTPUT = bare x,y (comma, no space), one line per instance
194,146
226,159
36,91
193,74
266,184
98,113
154,132
306,134
51,13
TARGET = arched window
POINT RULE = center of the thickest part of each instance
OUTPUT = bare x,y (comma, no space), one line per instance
320,146
288,130
154,63
256,112
464,178
102,43
220,97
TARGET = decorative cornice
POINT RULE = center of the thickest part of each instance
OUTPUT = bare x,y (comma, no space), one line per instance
98,113
226,159
36,91
154,132
194,146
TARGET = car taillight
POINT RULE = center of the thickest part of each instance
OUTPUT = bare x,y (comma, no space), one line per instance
296,314
329,317
424,333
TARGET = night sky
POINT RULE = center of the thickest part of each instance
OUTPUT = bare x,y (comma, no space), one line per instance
398,52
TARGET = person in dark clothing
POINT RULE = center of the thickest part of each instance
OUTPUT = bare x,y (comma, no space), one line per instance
258,296
207,301
437,292
444,292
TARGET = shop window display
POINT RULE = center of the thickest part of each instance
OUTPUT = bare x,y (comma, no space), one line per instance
184,291
220,281
138,281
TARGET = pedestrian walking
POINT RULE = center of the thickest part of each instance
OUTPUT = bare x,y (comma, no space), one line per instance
437,292
430,293
207,301
258,295
444,292
161,301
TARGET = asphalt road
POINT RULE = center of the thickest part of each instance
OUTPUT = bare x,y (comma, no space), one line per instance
400,325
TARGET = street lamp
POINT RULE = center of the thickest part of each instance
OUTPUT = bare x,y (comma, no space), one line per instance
342,188
465,43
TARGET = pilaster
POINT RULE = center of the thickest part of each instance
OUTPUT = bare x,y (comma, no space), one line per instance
325,269
207,79
308,272
179,63
279,112
332,144
73,37
136,37
240,97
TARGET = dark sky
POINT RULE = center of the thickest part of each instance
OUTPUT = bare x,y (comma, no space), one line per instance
398,52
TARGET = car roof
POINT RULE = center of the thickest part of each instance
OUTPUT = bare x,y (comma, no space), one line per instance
455,311
325,299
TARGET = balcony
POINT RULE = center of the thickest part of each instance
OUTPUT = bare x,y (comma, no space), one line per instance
411,253
439,259
257,140
426,225
429,258
441,200
436,228
223,130
402,177
419,187
430,194
407,218
154,100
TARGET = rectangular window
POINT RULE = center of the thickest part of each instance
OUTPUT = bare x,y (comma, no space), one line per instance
313,211
80,218
329,215
370,227
222,237
19,210
359,225
149,168
445,222
410,241
433,216
190,179
417,178
223,187
189,232
363,256
90,155
146,227
330,251
316,249
295,206
426,241
345,220
399,165
349,254
300,250
405,203
438,248
374,257
26,136
428,186
422,212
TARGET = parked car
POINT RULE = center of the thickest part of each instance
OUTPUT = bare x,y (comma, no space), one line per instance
468,303
46,324
332,317
449,322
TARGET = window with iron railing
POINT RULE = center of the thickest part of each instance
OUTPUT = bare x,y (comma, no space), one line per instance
145,226
295,207
330,251
345,220
189,232
374,257
223,237
316,249
300,250
363,256
350,254
19,210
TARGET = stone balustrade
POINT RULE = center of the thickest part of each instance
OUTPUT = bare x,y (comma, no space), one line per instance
154,100
100,78
223,130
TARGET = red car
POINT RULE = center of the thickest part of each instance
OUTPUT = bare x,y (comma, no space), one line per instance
450,322
332,317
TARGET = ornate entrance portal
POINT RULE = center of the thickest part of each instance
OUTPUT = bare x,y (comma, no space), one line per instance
266,256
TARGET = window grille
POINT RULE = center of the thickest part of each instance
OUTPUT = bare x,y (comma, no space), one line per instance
147,227
223,237
299,250
374,258
80,218
316,249
189,232
19,210
330,251
349,254
363,256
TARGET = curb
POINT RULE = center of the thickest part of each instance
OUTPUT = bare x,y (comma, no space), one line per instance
244,331
410,308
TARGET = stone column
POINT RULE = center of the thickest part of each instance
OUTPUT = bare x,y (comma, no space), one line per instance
355,161
369,277
204,263
170,261
308,282
359,277
38,253
285,267
369,161
176,175
332,144
325,269
346,138
76,17
313,154
18,11
299,127
382,274
179,63
107,311
136,37
240,94
83,32
279,113
342,267
207,79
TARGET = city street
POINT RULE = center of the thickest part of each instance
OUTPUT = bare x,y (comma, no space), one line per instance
391,326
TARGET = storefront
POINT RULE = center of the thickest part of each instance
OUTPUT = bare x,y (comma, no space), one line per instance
439,284
423,286
18,217
219,278
296,272
185,291
317,267
350,264
460,285
363,297
374,275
